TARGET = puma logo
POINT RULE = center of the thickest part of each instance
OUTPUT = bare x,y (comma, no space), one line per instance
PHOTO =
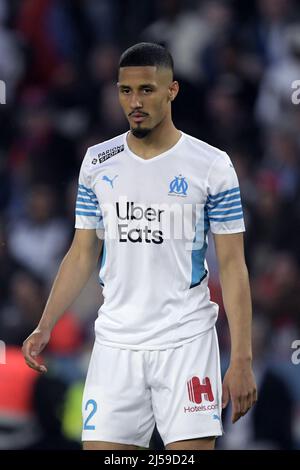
110,181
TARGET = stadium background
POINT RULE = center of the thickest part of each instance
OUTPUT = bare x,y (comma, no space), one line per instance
236,62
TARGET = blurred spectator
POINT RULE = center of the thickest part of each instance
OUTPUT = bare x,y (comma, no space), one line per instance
54,31
282,158
8,266
39,153
11,56
265,229
265,34
276,291
21,313
103,65
103,18
227,121
33,23
274,104
38,240
69,97
187,32
5,188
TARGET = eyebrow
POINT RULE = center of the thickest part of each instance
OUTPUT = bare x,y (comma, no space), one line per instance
144,85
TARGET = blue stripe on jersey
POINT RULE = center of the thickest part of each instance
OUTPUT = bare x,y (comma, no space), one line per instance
198,255
224,200
216,212
225,193
88,190
89,214
226,219
103,259
86,206
225,206
84,198
85,194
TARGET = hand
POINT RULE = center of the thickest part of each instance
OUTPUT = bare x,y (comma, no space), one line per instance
33,346
239,386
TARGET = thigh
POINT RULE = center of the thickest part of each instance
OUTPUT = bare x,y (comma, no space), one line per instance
116,405
206,443
102,445
187,392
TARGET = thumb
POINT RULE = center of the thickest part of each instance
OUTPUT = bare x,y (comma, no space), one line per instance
225,395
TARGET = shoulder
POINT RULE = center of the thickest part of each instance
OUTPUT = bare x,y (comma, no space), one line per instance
207,152
101,152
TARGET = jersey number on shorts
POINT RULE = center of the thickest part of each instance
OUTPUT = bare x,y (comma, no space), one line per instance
87,426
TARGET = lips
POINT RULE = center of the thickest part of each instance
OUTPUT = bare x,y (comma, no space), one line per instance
138,117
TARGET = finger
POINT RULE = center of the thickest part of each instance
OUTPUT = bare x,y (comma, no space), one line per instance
251,400
225,396
35,365
246,403
28,348
29,356
236,409
31,362
41,367
32,349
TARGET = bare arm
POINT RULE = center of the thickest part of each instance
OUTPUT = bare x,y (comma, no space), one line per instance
73,274
239,383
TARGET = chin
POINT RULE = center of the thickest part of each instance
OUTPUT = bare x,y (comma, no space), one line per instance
140,132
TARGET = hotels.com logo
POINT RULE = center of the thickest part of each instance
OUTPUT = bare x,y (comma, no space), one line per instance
198,390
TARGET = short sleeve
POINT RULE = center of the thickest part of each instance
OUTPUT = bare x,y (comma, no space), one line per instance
87,212
224,206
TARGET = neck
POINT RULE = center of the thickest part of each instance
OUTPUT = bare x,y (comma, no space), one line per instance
160,139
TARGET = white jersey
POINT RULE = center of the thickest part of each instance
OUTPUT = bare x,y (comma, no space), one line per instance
154,216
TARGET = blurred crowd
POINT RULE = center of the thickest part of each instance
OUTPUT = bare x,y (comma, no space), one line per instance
236,63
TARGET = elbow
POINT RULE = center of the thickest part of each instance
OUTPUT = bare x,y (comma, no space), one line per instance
233,268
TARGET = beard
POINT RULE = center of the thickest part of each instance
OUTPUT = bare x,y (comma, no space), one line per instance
140,132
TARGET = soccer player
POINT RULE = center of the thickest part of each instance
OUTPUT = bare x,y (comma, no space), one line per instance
146,200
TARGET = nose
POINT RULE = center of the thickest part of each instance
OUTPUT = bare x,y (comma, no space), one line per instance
135,101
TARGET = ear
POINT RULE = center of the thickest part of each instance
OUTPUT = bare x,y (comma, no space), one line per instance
173,90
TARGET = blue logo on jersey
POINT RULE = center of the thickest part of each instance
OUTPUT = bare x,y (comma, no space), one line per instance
216,417
106,178
178,186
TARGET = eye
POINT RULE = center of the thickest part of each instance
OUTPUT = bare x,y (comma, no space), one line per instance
147,91
125,91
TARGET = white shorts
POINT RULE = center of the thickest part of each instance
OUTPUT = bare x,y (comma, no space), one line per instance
128,391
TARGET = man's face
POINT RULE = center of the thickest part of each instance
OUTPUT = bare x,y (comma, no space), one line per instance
145,94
